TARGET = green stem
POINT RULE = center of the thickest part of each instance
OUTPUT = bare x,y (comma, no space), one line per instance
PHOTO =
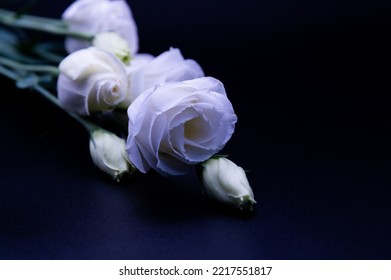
90,127
44,92
48,25
29,67
8,73
45,50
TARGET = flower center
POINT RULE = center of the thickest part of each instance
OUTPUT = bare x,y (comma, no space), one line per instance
193,128
115,90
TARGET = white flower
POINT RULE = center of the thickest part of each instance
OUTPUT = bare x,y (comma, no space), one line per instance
109,155
91,80
114,43
95,16
226,182
167,67
176,125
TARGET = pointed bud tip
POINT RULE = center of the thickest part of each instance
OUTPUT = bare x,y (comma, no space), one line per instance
247,204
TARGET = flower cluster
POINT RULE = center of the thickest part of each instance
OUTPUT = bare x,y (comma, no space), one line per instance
176,117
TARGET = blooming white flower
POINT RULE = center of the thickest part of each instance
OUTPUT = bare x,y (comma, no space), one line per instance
109,155
168,66
175,125
91,80
114,43
95,16
227,182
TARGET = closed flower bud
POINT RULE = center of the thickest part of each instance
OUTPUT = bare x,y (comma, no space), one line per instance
113,43
109,155
226,182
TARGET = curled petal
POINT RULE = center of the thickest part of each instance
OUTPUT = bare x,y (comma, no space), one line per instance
91,80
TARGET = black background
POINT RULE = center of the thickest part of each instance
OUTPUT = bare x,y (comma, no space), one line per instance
310,83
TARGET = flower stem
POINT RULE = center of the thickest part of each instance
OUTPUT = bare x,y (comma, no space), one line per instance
89,126
46,50
29,67
45,93
8,73
54,26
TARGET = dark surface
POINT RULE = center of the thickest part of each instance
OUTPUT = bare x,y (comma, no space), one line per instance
310,84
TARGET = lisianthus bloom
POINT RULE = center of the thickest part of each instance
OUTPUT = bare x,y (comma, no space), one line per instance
147,71
227,182
95,16
176,125
109,155
92,80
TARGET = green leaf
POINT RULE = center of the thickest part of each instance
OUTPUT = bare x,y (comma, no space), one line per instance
216,156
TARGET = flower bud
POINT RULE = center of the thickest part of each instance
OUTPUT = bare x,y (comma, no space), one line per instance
226,182
109,155
113,43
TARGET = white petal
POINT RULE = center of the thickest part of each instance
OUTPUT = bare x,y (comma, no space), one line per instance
207,83
92,17
96,74
170,66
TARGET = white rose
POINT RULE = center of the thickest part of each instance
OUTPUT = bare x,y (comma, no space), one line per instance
227,182
176,125
168,66
109,155
91,80
95,16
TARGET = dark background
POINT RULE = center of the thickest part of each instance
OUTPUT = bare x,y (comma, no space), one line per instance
310,83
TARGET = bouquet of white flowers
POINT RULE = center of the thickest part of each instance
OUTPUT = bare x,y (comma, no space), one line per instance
174,119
